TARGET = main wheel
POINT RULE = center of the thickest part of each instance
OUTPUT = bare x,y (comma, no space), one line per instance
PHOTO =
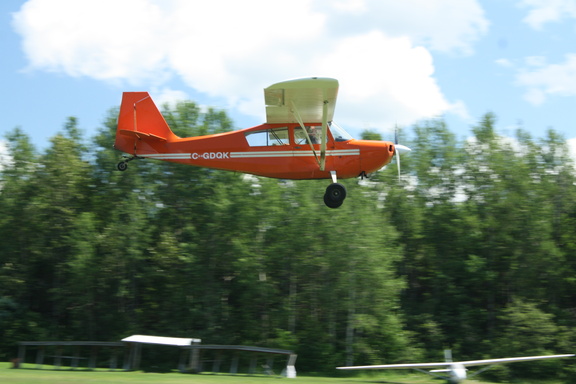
331,203
122,166
335,195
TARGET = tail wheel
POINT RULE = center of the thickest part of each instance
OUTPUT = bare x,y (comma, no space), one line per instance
335,195
122,166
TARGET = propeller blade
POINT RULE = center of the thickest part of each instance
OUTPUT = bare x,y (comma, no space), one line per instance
398,149
398,161
402,148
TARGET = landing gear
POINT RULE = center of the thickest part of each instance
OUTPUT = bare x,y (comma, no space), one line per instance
335,195
123,165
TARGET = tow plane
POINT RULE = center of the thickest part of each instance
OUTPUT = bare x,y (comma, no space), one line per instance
298,141
456,371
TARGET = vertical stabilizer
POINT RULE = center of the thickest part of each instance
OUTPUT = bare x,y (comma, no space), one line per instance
141,126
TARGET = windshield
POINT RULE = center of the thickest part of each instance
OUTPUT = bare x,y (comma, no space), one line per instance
339,133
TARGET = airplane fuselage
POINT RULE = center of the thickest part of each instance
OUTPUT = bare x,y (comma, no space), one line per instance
269,150
457,373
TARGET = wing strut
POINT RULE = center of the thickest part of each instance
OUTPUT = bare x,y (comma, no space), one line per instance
324,135
296,114
322,160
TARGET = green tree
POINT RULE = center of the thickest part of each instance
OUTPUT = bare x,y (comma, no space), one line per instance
471,249
525,330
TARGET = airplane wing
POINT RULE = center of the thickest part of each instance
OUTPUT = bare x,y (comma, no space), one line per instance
511,360
309,100
399,366
287,100
464,363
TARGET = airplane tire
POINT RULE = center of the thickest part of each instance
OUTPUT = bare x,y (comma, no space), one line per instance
331,203
122,166
335,195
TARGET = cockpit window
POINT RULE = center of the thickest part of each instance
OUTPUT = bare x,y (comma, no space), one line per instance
315,133
339,133
268,137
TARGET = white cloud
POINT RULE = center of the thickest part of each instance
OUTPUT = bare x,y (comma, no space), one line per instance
503,62
383,79
105,39
542,79
380,51
5,158
536,61
545,11
572,148
168,96
442,25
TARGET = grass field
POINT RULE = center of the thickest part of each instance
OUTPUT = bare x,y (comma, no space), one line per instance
29,375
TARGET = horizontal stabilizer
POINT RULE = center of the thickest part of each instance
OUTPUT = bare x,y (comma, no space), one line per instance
141,135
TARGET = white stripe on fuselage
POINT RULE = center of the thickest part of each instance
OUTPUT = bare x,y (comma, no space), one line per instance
246,155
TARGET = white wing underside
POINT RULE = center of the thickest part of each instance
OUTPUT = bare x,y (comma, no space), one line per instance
464,363
287,100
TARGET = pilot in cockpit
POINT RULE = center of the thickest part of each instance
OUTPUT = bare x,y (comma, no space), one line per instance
314,134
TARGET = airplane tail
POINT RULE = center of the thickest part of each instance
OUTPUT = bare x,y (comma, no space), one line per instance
141,126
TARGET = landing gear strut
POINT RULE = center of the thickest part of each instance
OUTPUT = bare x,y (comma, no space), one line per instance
335,195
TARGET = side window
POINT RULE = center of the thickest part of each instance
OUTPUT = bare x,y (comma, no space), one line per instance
315,133
299,136
268,137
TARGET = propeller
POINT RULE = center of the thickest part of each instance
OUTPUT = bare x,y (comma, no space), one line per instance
398,149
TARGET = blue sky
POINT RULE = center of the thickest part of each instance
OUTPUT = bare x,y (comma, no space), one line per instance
398,62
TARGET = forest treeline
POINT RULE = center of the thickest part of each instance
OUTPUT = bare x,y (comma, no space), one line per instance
474,250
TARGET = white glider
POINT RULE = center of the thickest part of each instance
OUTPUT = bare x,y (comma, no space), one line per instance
456,370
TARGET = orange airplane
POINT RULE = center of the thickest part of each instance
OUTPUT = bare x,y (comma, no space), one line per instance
298,141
